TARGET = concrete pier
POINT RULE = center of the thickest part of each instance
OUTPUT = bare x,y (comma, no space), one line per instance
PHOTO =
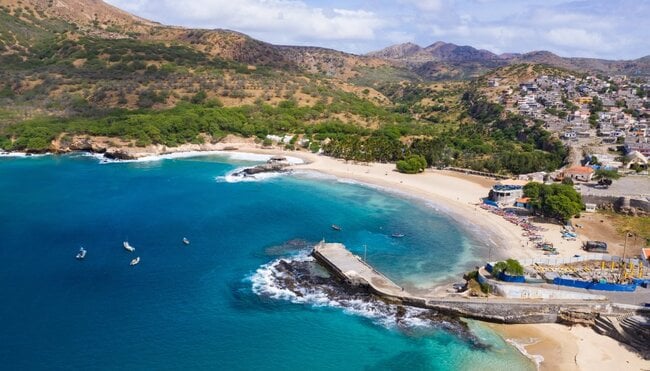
352,270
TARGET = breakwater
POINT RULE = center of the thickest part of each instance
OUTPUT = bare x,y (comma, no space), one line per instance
355,272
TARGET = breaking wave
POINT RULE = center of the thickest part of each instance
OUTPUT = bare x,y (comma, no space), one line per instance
238,156
301,280
232,177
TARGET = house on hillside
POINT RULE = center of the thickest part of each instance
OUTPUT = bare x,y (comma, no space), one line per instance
581,173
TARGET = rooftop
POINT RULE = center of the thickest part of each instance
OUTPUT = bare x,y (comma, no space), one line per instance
579,170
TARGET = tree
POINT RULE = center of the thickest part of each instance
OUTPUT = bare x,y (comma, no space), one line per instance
558,201
561,207
510,266
607,174
199,97
412,164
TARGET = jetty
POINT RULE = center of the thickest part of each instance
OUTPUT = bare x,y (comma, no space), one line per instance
357,273
351,268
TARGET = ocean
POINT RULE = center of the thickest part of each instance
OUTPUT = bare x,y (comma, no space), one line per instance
219,303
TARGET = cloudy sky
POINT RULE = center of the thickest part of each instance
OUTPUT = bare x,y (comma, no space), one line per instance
612,29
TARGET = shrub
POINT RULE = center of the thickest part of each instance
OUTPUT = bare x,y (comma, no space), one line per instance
510,266
412,164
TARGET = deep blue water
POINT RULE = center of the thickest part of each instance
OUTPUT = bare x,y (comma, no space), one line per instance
192,307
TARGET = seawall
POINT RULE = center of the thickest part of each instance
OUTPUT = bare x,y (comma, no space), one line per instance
353,271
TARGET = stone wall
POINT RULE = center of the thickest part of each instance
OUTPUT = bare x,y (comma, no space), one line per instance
625,205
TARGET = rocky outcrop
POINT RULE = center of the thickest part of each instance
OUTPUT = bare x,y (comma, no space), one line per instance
118,154
274,165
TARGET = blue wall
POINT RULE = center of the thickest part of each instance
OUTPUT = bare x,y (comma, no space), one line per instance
505,277
594,286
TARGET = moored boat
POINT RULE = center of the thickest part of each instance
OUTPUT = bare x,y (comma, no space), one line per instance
397,235
186,241
128,247
336,227
135,261
81,254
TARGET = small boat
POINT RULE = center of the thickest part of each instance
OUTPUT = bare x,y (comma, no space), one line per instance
186,241
81,254
135,261
397,235
128,247
336,227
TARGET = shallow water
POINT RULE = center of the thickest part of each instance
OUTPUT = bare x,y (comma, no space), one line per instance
194,306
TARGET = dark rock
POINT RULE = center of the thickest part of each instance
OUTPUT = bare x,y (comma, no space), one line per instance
118,154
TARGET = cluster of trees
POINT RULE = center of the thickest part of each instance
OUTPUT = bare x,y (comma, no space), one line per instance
114,70
559,201
505,145
412,164
510,266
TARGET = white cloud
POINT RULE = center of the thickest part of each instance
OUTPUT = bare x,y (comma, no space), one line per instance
576,38
279,20
595,28
426,5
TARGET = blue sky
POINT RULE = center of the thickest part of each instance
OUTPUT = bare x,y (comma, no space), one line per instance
612,29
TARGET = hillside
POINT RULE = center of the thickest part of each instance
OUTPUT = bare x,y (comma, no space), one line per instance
442,60
81,75
98,19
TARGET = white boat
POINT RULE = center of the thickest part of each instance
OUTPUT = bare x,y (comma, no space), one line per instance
81,254
135,261
128,247
186,241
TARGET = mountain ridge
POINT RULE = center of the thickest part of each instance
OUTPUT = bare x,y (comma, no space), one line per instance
441,53
437,61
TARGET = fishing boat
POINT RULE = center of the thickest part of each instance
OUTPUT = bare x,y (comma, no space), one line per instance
336,227
135,261
186,241
397,235
81,254
128,247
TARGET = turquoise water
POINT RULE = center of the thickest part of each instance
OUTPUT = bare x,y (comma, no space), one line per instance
192,306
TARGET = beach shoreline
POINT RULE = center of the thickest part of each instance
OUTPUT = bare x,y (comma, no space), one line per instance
581,347
457,195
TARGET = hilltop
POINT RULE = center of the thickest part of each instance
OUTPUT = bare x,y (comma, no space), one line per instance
442,59
77,74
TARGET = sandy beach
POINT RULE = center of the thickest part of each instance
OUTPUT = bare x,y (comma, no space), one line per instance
571,348
562,347
456,193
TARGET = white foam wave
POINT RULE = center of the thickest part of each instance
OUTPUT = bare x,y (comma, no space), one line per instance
239,156
230,177
537,358
23,154
313,174
267,281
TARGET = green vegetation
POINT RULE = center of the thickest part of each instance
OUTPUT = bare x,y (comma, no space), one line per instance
170,93
510,266
413,164
607,174
559,201
639,226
